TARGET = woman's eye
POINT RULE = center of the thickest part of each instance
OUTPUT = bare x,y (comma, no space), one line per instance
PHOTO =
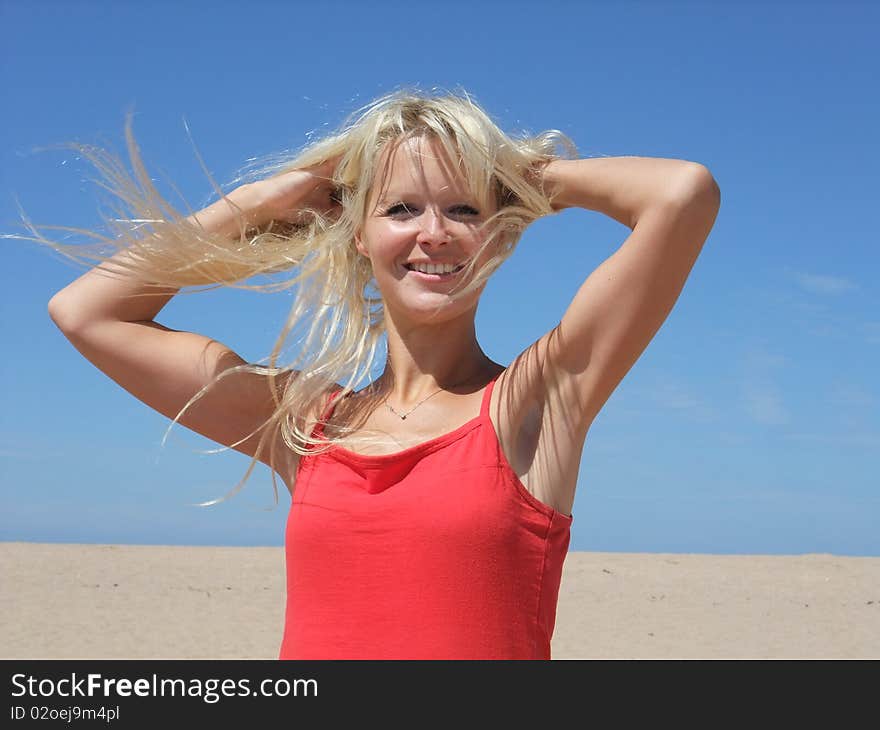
402,209
399,209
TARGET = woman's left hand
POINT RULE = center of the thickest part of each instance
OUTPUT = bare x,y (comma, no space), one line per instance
541,176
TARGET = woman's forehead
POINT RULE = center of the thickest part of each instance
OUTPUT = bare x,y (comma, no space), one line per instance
418,162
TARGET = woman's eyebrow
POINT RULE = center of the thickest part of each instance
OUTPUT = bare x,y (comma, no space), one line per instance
395,195
392,197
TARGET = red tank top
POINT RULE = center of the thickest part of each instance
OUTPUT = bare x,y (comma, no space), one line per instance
434,552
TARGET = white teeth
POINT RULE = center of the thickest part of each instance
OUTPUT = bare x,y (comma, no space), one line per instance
433,268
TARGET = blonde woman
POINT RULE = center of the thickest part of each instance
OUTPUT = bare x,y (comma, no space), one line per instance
430,510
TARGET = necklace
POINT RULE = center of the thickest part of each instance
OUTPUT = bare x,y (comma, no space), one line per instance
403,417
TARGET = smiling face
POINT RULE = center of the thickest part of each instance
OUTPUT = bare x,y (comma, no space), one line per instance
421,210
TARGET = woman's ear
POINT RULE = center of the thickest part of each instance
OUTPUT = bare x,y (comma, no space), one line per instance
359,245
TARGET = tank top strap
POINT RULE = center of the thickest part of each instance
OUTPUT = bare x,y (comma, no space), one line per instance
487,397
329,405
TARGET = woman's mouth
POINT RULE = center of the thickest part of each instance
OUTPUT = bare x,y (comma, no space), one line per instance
433,277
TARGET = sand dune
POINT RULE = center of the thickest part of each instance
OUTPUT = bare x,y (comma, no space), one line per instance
127,601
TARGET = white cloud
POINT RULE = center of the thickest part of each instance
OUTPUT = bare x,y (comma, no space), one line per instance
872,332
761,360
678,397
849,395
761,397
729,438
861,439
666,394
675,396
763,403
824,285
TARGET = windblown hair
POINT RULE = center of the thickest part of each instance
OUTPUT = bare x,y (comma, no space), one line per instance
338,297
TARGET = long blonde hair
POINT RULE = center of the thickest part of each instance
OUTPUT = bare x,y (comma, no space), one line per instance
337,296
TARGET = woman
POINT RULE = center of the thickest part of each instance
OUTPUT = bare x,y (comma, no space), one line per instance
430,510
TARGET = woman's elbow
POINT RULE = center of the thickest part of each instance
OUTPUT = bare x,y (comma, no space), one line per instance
703,186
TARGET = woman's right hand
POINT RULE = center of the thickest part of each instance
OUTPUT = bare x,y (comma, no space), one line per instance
284,198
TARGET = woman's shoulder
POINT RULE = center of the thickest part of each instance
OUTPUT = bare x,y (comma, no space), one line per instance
289,460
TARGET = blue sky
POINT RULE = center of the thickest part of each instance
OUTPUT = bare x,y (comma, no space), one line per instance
749,425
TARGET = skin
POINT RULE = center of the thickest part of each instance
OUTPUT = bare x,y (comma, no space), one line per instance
562,380
424,210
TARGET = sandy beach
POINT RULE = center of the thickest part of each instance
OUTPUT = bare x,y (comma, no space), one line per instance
128,601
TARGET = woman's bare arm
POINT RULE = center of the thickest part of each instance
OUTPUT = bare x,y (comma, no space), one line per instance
108,315
671,206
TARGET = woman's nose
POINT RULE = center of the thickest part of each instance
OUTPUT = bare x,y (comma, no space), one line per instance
433,227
